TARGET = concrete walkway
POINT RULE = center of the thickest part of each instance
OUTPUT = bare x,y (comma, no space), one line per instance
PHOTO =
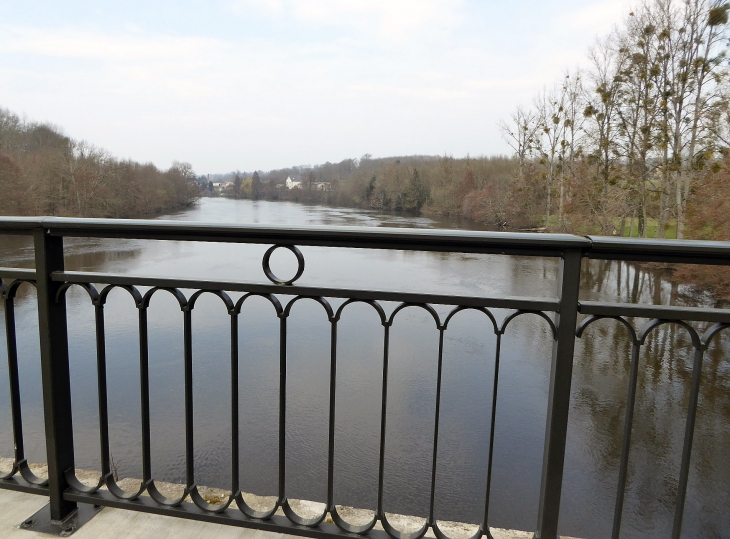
16,507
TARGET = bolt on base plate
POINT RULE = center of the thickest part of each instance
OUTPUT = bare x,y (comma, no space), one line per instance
41,521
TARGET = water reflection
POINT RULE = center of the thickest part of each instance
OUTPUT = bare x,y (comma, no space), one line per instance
601,376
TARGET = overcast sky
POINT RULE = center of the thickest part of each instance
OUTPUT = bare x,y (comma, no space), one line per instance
244,84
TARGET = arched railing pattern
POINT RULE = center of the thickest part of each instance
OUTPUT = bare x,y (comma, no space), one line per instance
560,314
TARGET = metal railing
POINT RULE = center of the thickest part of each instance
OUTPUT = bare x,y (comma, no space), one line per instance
51,280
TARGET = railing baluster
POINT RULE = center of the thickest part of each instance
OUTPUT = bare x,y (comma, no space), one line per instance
485,521
383,410
431,520
282,409
688,438
144,385
235,477
54,371
333,390
559,397
15,407
626,445
102,390
189,433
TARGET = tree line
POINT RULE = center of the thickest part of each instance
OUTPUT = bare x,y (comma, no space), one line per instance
478,188
44,172
622,146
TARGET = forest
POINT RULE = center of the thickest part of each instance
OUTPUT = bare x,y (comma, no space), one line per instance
44,172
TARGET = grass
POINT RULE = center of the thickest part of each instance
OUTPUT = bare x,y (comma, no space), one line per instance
651,224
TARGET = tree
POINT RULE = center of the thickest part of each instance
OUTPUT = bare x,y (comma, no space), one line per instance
601,108
255,186
237,181
520,134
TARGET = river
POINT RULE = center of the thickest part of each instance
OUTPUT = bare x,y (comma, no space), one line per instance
599,389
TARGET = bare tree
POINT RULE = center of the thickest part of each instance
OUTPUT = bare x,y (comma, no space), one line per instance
520,134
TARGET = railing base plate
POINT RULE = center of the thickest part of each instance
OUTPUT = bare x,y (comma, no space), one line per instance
41,521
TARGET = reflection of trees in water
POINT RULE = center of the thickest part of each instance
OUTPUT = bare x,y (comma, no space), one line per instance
81,254
600,387
16,251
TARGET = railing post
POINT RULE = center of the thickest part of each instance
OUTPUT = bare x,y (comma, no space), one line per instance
54,371
561,373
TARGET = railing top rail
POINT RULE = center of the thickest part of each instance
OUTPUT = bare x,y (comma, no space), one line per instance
360,237
19,225
535,244
652,250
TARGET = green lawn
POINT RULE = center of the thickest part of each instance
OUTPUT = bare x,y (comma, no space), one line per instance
651,228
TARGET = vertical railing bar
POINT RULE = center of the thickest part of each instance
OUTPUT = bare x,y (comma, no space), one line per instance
14,379
561,372
144,377
485,521
235,478
431,520
188,354
383,410
626,445
102,390
55,375
331,448
688,438
282,410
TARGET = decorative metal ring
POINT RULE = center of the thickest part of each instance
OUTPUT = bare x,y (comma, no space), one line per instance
484,310
11,473
441,535
27,474
520,312
250,512
74,482
206,506
398,534
345,526
267,269
118,492
161,499
301,521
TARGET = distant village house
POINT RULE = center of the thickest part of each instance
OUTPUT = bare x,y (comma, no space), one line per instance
292,183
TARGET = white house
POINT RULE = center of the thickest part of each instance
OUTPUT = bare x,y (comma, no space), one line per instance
291,184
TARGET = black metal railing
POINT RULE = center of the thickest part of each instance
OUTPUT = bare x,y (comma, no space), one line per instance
51,280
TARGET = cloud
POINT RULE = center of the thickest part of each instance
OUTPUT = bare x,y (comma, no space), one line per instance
73,43
394,20
597,18
301,82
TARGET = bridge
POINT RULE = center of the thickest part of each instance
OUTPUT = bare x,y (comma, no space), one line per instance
72,502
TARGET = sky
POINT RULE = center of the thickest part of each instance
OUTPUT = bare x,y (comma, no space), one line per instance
263,84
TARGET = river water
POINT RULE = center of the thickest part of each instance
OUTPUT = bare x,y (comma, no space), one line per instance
599,388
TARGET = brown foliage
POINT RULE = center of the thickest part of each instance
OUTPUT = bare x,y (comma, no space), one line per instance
12,185
43,172
708,218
